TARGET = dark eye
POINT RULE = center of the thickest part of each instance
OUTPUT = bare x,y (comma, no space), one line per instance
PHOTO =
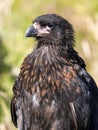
50,25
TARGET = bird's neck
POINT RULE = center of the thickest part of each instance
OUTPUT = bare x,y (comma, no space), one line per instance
59,53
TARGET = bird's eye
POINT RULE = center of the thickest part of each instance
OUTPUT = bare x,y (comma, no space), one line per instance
50,25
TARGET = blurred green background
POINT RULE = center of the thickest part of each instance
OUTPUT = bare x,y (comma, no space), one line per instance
17,15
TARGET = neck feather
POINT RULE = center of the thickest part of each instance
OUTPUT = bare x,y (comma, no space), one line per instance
59,52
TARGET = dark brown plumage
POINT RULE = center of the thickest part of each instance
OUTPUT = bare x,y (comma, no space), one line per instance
53,90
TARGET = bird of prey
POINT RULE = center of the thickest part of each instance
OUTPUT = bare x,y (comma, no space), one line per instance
53,90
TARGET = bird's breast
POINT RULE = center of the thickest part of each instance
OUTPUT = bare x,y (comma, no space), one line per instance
41,70
45,73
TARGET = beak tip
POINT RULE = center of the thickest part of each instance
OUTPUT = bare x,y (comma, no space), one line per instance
26,35
31,32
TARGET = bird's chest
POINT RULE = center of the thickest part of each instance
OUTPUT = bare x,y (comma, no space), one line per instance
43,75
47,75
40,71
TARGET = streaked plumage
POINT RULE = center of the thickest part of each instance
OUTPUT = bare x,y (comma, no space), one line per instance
53,90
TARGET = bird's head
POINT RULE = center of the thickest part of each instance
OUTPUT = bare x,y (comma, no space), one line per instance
51,27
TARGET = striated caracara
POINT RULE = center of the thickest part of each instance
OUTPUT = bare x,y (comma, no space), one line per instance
53,90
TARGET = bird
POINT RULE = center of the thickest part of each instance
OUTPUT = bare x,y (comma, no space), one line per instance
53,90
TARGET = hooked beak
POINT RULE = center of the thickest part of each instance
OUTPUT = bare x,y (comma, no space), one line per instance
37,31
31,32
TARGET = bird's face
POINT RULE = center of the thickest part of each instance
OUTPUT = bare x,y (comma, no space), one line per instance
50,27
38,30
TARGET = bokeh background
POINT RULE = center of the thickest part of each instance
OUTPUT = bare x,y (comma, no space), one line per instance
17,15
